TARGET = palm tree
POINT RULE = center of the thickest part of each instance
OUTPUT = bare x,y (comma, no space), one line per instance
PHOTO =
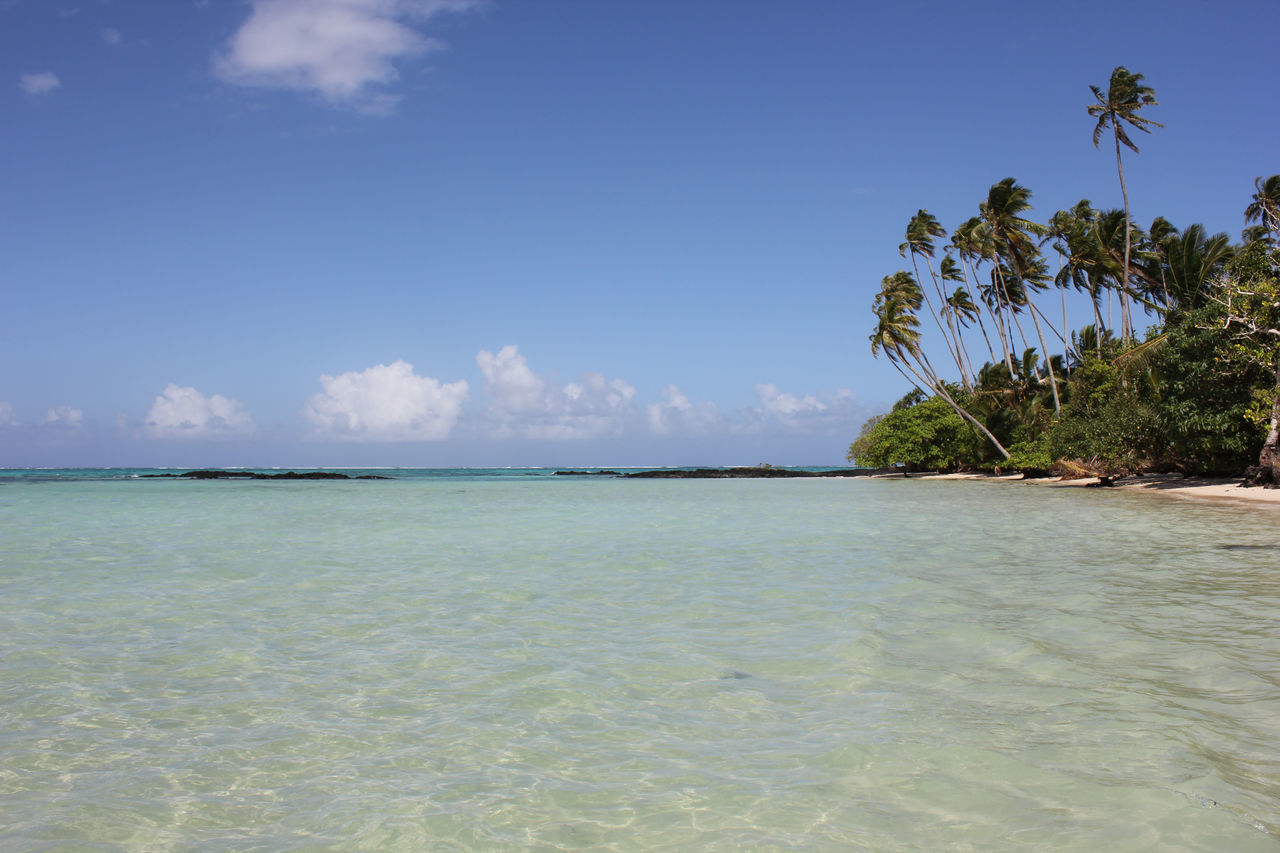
1125,96
1161,231
1111,238
921,231
1034,277
1265,206
1010,246
1082,267
969,241
1057,230
1256,233
899,287
1193,259
897,335
959,309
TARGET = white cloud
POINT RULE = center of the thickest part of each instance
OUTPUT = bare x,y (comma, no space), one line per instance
39,83
64,416
787,412
785,405
387,402
676,414
335,48
524,404
180,412
7,416
112,36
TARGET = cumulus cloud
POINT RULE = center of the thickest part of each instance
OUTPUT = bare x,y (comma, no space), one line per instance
388,402
677,415
7,416
112,36
786,405
39,83
338,49
524,404
782,410
183,412
65,417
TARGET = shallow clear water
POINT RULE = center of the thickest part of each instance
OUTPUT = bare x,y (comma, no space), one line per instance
503,661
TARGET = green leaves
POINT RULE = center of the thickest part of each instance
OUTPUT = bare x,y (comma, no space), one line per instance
1125,95
926,436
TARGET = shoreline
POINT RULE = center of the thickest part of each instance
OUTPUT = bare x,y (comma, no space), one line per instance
1207,489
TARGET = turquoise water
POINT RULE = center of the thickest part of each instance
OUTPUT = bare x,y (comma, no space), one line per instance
513,660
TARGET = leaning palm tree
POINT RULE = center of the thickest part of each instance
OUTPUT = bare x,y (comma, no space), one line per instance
1084,268
1035,276
897,335
920,234
1125,96
970,240
1010,246
960,310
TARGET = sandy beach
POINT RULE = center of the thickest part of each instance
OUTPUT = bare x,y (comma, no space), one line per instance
1174,485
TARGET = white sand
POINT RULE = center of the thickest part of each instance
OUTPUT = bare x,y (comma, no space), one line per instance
1175,485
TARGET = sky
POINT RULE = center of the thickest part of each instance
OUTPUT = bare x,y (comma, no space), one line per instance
541,232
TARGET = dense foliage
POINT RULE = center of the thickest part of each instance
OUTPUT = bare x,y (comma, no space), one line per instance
925,435
1199,392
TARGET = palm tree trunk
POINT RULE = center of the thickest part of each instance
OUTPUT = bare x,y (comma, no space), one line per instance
1124,283
982,326
1048,366
967,376
1270,456
1014,313
1066,329
939,389
954,356
894,361
1002,326
964,351
1097,320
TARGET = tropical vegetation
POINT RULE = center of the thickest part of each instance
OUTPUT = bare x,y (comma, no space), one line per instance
1198,392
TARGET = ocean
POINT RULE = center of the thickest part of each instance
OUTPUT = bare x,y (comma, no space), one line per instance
509,659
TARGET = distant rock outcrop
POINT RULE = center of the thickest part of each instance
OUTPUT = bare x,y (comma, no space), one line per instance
255,475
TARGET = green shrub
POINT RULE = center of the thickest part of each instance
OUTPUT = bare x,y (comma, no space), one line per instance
928,435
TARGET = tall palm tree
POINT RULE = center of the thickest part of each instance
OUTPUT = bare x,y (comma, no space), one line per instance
1111,237
950,271
1058,229
969,241
1035,276
959,309
1125,96
1161,231
1010,245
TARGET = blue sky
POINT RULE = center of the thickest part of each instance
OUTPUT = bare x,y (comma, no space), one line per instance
441,232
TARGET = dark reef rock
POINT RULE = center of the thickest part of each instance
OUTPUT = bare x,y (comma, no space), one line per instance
254,475
603,473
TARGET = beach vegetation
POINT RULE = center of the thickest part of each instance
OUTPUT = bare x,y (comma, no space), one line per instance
1199,392
924,436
